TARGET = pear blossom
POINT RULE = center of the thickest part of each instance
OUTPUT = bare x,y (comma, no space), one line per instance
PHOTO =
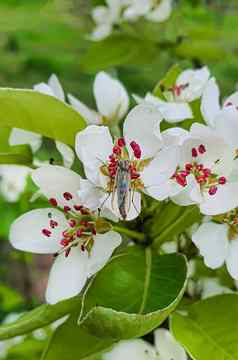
140,155
205,175
13,180
188,87
152,10
165,348
217,241
81,241
111,99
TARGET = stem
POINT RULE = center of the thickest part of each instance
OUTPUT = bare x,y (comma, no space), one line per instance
132,233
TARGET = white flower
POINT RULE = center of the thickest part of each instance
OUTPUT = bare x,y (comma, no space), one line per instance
212,287
189,86
105,17
13,180
160,12
218,244
118,171
165,348
156,11
205,172
111,99
82,251
222,118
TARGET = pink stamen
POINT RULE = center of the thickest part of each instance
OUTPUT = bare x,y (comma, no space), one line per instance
64,242
68,196
188,167
53,224
121,142
222,180
181,180
116,150
46,232
201,149
72,223
194,152
66,209
53,202
78,207
212,190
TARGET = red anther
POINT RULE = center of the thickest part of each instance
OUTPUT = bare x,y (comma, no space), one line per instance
201,179
82,247
66,209
212,190
184,173
188,167
67,252
194,152
53,202
94,232
201,149
206,172
133,145
121,142
78,207
53,224
229,103
116,150
79,232
72,223
181,180
84,223
177,90
46,232
199,167
67,196
135,176
64,242
137,153
222,180
84,211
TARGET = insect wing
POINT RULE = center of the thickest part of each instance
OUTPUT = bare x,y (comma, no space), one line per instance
123,186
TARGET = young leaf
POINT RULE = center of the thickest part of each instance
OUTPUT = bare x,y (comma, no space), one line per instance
168,81
40,113
208,329
133,294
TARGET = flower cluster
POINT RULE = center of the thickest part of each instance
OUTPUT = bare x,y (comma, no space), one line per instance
196,166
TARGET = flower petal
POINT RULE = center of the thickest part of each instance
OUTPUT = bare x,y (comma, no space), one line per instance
91,116
212,241
167,347
26,231
104,245
232,259
172,111
133,205
161,12
93,146
210,105
90,195
13,181
232,100
227,125
22,137
225,199
44,89
54,181
100,32
136,349
142,126
111,96
68,276
189,194
66,152
56,87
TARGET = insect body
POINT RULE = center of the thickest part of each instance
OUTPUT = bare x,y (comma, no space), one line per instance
122,186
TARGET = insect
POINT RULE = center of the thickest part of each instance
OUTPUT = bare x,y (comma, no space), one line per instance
123,186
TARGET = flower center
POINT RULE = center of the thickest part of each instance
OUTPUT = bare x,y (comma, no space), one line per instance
207,179
231,219
81,227
133,166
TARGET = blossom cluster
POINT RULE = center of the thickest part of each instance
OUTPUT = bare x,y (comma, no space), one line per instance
189,167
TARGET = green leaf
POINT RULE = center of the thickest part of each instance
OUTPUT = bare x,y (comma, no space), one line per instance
20,154
172,221
133,294
40,113
208,329
168,81
39,317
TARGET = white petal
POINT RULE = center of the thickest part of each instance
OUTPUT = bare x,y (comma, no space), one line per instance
138,8
212,287
142,126
162,12
100,32
131,350
188,195
66,152
171,111
174,136
22,137
212,241
225,199
210,105
104,245
56,87
13,180
167,346
90,116
100,14
156,175
227,125
93,146
90,195
26,231
232,100
111,96
133,206
54,181
232,259
68,276
44,89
